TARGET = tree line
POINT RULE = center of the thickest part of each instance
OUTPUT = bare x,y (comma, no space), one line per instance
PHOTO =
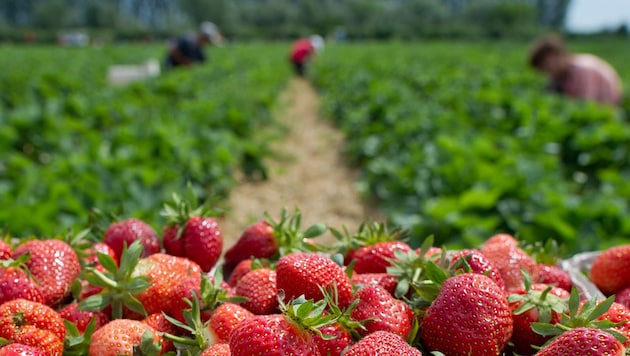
281,19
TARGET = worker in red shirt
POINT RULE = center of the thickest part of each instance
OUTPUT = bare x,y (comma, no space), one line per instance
302,51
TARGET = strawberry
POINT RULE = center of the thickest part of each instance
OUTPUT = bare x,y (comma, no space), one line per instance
5,250
536,303
192,233
16,281
382,343
476,262
470,316
610,269
225,318
182,292
382,311
122,336
306,274
159,322
333,341
54,264
584,342
384,280
554,275
81,318
125,232
239,271
375,258
34,324
368,234
257,241
503,252
91,257
619,314
259,287
21,350
217,350
623,297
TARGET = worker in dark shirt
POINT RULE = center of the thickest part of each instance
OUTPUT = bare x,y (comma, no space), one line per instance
187,51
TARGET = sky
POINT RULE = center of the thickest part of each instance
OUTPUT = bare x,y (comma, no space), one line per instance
594,15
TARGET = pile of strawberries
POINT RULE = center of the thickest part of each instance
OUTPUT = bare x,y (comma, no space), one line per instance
276,291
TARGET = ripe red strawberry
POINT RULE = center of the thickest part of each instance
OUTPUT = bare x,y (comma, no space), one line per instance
5,250
610,269
191,232
301,273
257,241
164,272
259,287
384,280
15,282
617,313
382,343
388,313
224,319
21,350
478,263
119,336
181,292
275,335
127,231
217,350
623,297
334,341
469,316
554,275
91,258
503,252
54,264
589,342
536,303
81,318
34,324
159,322
239,271
375,258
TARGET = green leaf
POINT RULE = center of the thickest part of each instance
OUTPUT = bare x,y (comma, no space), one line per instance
315,230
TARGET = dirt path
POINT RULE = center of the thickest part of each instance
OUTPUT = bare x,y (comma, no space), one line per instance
311,177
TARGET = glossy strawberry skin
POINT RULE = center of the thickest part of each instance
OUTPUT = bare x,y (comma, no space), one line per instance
583,342
610,269
172,241
159,322
623,297
82,318
503,252
259,287
217,350
225,318
618,313
239,271
118,337
21,350
479,264
274,335
382,343
165,272
554,275
203,241
15,283
384,280
5,250
127,231
256,241
390,314
375,258
470,314
182,291
335,346
99,247
305,273
34,324
54,264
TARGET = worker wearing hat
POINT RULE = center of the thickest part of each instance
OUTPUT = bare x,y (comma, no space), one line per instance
186,51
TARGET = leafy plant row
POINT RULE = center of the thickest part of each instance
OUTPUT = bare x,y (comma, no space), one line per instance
460,141
69,142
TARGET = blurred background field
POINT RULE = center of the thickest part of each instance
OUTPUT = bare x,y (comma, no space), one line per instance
452,133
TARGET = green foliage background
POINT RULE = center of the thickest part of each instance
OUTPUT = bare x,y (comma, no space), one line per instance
460,141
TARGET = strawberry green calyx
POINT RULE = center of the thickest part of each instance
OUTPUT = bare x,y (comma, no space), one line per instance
582,316
368,233
181,209
148,346
307,314
289,235
343,315
118,283
201,336
543,301
213,294
77,343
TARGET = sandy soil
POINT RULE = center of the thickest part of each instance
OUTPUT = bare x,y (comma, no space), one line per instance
309,174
